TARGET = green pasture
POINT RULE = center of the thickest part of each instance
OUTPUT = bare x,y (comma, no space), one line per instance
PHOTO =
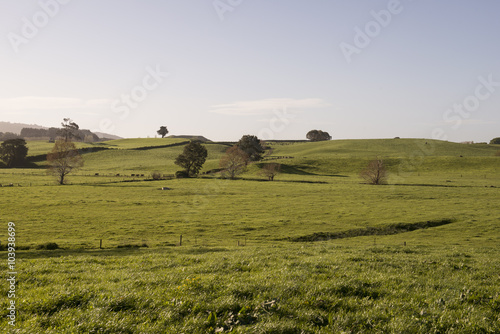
238,269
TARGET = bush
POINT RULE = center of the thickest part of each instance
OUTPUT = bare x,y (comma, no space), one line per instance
156,175
48,246
375,172
181,174
495,141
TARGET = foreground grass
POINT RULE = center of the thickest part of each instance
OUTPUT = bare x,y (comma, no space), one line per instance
286,288
222,212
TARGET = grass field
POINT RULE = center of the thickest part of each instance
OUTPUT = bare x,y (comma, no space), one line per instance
238,269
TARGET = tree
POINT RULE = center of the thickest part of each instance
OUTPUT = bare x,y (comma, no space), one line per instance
69,130
318,135
8,135
495,141
375,172
271,170
252,146
233,162
63,159
163,131
192,158
13,152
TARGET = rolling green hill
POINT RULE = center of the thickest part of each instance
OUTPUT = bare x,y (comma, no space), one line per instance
324,252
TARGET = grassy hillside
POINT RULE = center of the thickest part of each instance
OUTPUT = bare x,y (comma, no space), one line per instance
425,277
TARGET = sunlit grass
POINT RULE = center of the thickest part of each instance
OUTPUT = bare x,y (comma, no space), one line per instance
433,280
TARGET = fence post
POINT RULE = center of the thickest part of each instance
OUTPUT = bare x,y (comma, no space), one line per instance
180,240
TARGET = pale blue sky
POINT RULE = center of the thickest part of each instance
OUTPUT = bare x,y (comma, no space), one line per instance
276,69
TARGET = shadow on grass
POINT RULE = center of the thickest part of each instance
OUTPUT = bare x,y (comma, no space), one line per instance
368,231
433,185
283,181
122,251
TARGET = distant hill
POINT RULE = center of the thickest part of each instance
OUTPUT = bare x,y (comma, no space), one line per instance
17,127
103,135
200,138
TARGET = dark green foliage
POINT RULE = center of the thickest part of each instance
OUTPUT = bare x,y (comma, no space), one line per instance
252,146
192,158
48,246
318,135
53,133
163,131
13,152
133,245
495,141
156,175
7,136
181,174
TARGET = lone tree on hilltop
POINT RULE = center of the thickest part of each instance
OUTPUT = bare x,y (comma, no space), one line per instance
318,135
192,158
375,172
252,146
271,170
163,131
13,152
233,162
69,130
63,159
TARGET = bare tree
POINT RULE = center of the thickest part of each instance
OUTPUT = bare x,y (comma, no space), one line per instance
375,172
234,162
63,159
271,170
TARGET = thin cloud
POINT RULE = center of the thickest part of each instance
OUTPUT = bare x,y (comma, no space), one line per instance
265,106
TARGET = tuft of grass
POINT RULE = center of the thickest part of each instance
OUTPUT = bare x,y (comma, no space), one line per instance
48,246
133,245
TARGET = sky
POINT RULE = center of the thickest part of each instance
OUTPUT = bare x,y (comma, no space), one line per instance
276,69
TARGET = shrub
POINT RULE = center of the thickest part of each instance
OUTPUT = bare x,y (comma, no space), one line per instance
48,246
375,172
495,141
181,174
156,175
